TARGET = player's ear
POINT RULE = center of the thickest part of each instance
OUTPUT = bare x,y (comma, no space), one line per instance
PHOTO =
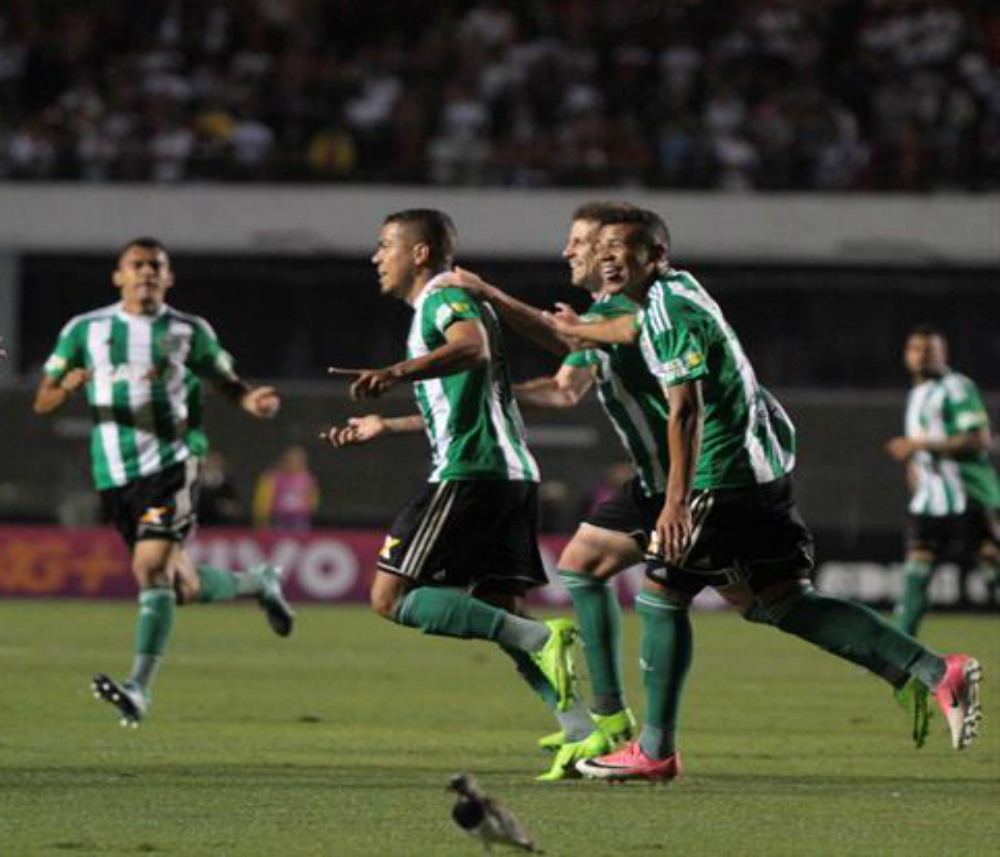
421,254
117,279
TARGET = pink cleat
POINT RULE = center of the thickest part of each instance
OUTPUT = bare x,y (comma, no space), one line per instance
958,695
630,763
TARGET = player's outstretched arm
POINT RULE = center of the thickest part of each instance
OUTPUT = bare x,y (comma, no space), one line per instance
359,430
566,389
53,393
616,331
260,402
527,320
464,349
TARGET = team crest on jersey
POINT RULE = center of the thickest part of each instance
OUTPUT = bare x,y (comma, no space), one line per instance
154,515
694,359
387,547
171,343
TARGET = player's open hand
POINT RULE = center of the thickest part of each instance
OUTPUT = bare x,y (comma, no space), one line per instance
75,379
357,431
368,383
672,536
471,282
261,402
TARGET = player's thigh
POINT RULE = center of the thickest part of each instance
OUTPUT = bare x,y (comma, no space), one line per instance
599,552
185,576
387,591
151,562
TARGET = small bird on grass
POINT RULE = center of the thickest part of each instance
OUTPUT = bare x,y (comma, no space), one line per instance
486,818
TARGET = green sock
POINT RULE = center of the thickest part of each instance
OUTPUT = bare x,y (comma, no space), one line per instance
156,618
447,612
665,658
916,599
218,584
576,723
599,619
855,633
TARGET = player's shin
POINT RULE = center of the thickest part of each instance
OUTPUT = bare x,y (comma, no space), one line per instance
665,659
156,619
599,620
916,599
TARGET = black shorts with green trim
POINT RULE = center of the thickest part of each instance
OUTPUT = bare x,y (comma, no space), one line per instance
954,534
753,535
158,507
630,511
479,535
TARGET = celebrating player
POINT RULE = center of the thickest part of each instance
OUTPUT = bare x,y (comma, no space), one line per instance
729,514
141,362
459,557
956,492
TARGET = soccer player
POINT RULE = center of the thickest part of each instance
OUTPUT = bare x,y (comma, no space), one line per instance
460,556
729,514
613,537
955,490
142,362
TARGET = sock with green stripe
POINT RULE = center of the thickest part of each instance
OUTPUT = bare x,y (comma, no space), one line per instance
855,633
156,619
447,612
916,598
576,723
665,659
599,620
218,584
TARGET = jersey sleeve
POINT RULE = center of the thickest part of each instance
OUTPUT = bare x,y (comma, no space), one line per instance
679,343
966,410
68,353
207,358
446,306
604,311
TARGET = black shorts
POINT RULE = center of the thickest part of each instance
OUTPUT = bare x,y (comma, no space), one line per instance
959,535
752,534
479,535
160,507
628,511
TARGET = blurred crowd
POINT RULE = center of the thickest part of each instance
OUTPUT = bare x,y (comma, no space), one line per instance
732,94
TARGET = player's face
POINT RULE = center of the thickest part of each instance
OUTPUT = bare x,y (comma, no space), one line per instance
624,262
925,356
394,260
143,275
580,253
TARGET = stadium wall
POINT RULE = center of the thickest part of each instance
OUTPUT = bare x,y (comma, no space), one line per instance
939,229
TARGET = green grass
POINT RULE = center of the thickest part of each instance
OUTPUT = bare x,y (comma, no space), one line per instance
340,740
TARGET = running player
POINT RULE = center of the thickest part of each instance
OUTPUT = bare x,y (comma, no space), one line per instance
614,536
729,515
956,493
460,556
141,362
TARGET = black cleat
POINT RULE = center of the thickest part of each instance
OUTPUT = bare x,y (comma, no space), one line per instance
280,615
130,701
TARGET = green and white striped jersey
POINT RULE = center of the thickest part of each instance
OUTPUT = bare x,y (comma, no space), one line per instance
937,409
747,437
144,391
472,420
631,396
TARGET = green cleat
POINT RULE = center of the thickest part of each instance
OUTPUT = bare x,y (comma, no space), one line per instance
552,742
280,615
913,697
555,660
564,766
620,727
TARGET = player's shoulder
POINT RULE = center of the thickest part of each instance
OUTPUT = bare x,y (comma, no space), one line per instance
187,319
958,386
77,322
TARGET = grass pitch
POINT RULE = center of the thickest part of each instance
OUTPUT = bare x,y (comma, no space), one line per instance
340,740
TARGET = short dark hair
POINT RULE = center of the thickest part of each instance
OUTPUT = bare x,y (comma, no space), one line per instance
431,227
146,242
652,229
597,210
927,329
